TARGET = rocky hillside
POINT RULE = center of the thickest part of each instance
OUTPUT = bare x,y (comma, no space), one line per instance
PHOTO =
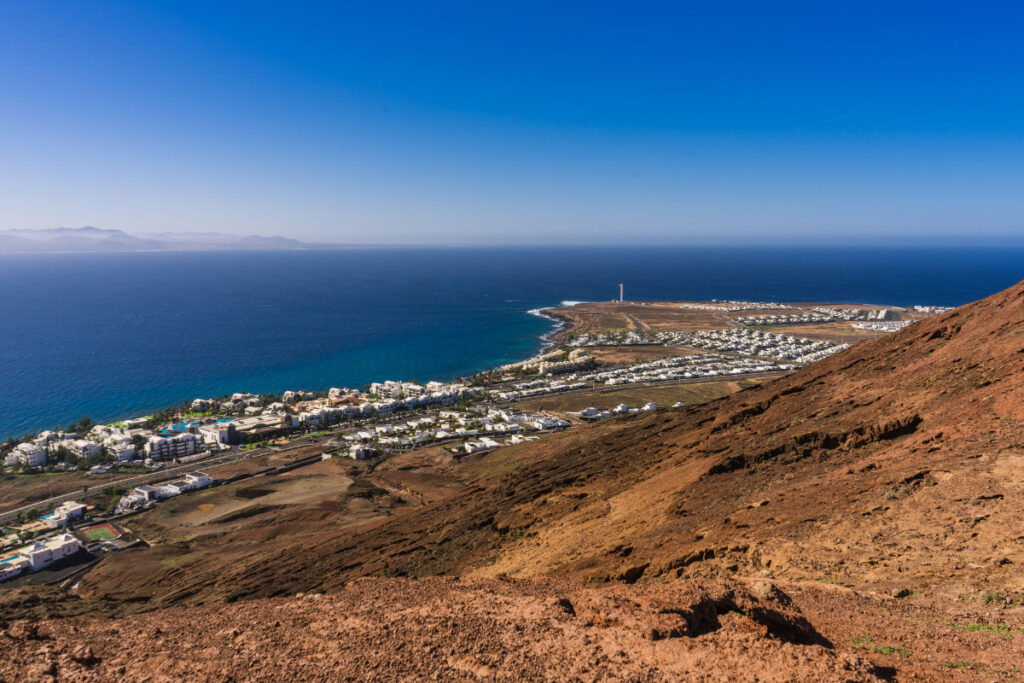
896,464
394,629
894,467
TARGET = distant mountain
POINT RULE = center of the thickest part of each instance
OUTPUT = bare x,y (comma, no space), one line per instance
90,239
217,240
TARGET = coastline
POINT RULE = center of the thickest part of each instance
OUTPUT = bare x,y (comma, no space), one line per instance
547,340
559,323
208,323
559,317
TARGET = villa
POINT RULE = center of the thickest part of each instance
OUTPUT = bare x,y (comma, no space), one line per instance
64,514
82,448
38,556
28,454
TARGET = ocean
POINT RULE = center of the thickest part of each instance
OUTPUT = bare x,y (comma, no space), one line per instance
118,335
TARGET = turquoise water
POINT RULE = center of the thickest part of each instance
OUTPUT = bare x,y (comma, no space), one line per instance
184,426
118,335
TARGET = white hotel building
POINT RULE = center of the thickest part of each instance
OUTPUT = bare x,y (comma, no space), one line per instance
166,448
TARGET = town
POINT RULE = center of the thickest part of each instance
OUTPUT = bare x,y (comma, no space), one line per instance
160,455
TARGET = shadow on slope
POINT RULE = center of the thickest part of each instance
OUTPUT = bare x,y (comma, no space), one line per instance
895,463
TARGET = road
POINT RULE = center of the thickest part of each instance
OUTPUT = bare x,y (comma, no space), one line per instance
235,455
165,474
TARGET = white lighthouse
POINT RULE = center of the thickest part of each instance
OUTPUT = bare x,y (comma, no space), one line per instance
620,293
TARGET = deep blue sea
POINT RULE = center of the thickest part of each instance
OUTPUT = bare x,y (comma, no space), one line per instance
117,335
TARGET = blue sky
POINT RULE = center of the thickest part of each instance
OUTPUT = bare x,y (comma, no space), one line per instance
512,123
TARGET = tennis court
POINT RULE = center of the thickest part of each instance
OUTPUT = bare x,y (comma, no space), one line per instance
100,532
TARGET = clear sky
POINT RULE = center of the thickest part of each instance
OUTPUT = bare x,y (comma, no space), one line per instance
518,122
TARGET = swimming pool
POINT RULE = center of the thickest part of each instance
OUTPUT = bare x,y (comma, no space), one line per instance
179,427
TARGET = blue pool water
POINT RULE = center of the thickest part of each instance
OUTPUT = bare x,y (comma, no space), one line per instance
118,335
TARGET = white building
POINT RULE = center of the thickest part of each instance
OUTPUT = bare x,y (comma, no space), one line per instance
170,489
120,449
549,423
164,448
197,480
82,448
138,497
64,513
28,454
13,567
44,553
216,433
360,452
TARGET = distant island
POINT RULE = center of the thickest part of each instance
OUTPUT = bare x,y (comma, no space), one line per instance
90,239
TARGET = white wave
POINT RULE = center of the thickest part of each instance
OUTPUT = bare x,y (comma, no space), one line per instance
546,342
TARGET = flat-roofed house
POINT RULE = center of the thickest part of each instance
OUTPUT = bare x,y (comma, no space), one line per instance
45,553
82,448
165,448
218,432
64,513
197,480
29,454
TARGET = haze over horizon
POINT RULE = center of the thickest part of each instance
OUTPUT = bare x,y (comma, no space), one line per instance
486,125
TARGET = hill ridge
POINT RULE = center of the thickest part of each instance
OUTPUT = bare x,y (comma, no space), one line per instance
893,468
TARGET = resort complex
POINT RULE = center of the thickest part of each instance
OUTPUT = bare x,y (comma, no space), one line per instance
588,373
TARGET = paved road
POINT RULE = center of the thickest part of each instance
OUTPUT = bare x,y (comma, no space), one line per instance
238,454
151,477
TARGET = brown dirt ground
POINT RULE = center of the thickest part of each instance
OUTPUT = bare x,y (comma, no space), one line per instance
746,629
616,355
19,490
236,506
652,316
393,629
262,462
838,332
896,467
634,397
668,316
